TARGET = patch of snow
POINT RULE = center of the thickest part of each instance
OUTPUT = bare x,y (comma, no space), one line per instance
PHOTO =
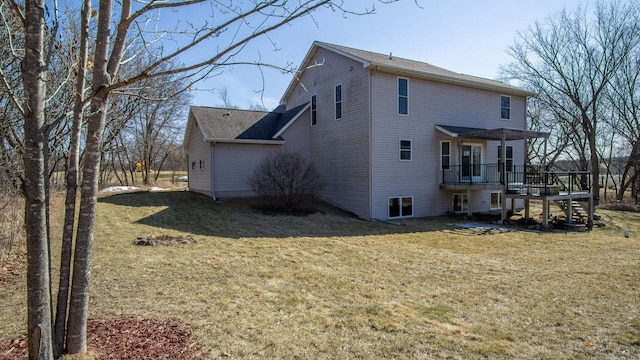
472,225
120,188
155,188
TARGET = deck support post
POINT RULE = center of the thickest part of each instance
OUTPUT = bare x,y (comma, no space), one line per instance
527,212
503,210
545,211
469,211
591,210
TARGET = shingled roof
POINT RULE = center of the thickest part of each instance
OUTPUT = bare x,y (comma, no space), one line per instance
226,125
406,67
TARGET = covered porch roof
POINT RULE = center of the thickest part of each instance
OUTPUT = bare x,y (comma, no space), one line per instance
490,134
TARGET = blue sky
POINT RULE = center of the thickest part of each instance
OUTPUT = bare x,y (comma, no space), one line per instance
466,36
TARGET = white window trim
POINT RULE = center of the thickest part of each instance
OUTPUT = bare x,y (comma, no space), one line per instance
453,203
398,96
499,200
312,111
410,150
441,155
401,216
335,102
507,96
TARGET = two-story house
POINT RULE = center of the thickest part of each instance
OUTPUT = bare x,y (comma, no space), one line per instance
391,137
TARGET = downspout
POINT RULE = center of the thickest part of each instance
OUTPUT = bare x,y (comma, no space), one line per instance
211,175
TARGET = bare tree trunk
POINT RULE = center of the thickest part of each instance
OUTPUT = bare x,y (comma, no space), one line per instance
79,303
71,189
38,277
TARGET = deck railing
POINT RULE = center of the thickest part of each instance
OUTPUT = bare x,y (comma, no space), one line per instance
524,179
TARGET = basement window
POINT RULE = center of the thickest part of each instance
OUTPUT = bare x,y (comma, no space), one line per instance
460,203
496,200
400,207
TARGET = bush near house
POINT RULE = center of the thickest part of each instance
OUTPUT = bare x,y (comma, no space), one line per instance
287,182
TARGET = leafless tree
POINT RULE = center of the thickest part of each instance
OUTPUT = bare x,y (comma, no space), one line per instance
121,29
570,61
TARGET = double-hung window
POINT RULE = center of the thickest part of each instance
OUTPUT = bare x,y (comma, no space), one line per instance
508,158
314,110
445,155
405,150
400,207
403,96
505,107
338,98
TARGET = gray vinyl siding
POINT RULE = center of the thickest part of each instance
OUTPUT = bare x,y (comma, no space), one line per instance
198,149
430,104
296,136
233,164
339,149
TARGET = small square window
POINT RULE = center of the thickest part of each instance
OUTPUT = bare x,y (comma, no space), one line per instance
505,107
405,150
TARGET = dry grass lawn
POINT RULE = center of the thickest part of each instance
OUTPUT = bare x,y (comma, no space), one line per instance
330,286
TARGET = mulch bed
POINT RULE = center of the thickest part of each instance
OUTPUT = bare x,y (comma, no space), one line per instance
126,338
152,240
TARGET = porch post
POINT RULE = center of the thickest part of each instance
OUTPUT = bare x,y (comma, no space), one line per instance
570,211
526,209
545,212
590,221
544,155
503,159
503,210
469,211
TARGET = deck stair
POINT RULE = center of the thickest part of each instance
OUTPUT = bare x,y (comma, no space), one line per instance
578,209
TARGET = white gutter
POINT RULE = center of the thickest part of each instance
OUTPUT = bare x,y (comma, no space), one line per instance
244,141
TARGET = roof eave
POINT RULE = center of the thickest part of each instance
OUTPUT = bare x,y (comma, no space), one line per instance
245,141
505,89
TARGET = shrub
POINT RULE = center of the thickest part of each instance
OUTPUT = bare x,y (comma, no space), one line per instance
286,181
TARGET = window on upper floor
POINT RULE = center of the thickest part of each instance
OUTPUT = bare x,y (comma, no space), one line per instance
403,96
508,158
405,150
445,155
314,111
338,98
505,107
400,207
